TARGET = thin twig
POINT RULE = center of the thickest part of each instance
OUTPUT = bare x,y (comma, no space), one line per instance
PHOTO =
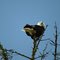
45,39
18,53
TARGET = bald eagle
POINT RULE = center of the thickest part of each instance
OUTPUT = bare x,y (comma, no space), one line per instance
34,31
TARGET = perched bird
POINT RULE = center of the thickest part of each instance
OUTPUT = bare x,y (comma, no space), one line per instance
34,31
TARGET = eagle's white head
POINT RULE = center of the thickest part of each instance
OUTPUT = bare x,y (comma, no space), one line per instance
41,24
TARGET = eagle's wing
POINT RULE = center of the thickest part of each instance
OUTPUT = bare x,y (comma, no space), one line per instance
27,26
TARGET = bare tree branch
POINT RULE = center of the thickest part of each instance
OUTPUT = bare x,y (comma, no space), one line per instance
43,55
55,42
3,53
18,53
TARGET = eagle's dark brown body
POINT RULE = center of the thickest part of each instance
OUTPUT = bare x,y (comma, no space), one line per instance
39,30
